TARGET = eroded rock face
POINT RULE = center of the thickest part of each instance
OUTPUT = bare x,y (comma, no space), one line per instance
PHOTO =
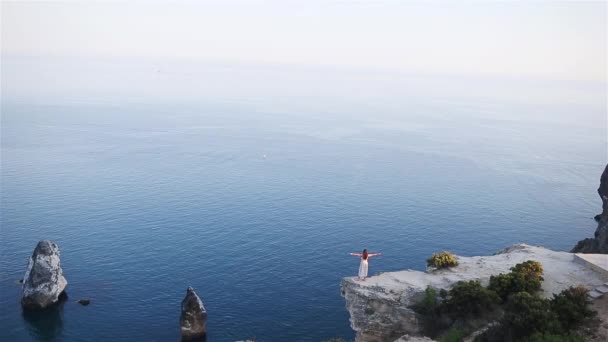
380,307
43,283
598,244
193,319
379,314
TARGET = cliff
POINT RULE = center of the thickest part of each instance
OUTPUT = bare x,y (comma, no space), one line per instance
380,307
599,243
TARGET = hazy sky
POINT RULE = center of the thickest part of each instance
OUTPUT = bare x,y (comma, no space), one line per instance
546,39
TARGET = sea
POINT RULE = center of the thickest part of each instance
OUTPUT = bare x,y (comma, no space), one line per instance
252,183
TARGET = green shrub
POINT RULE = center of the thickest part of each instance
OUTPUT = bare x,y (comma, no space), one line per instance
502,284
527,314
428,305
526,276
444,259
467,299
453,335
528,317
571,307
429,309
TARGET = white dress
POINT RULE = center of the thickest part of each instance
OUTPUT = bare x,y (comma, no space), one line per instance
363,268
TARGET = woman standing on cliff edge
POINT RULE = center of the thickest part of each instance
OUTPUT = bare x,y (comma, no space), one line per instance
363,266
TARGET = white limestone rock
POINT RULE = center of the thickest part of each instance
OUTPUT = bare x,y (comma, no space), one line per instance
43,283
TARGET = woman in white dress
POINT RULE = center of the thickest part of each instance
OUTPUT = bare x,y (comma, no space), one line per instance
363,266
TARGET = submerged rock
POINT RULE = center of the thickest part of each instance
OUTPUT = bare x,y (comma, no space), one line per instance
43,283
84,301
598,244
193,320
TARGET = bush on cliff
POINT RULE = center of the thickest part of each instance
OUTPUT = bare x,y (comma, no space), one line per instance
529,317
526,314
441,260
526,277
572,307
453,335
468,299
428,305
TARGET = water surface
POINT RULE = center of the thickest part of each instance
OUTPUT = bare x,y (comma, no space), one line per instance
253,183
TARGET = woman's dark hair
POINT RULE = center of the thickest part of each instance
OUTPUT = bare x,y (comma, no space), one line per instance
364,254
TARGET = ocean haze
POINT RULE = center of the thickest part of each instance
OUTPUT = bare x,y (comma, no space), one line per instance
253,182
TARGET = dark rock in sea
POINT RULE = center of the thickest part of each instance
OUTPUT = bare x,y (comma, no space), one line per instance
43,283
598,244
84,301
603,191
20,281
193,320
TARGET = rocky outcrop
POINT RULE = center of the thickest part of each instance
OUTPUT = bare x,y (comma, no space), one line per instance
43,283
598,244
193,320
380,307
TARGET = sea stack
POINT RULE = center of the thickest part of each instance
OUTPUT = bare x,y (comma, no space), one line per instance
598,244
43,283
193,320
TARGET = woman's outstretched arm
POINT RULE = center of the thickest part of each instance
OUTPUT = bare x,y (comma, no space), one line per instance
355,254
373,254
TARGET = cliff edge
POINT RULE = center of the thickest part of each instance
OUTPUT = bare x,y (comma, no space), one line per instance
380,307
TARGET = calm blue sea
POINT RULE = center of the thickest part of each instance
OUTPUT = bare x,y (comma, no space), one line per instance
253,183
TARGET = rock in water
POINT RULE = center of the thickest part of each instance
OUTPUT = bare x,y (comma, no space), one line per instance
43,283
84,301
603,191
598,244
193,320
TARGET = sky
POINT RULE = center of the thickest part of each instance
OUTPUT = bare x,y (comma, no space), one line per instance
553,40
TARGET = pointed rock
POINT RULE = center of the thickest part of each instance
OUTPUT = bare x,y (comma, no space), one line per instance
43,283
193,320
